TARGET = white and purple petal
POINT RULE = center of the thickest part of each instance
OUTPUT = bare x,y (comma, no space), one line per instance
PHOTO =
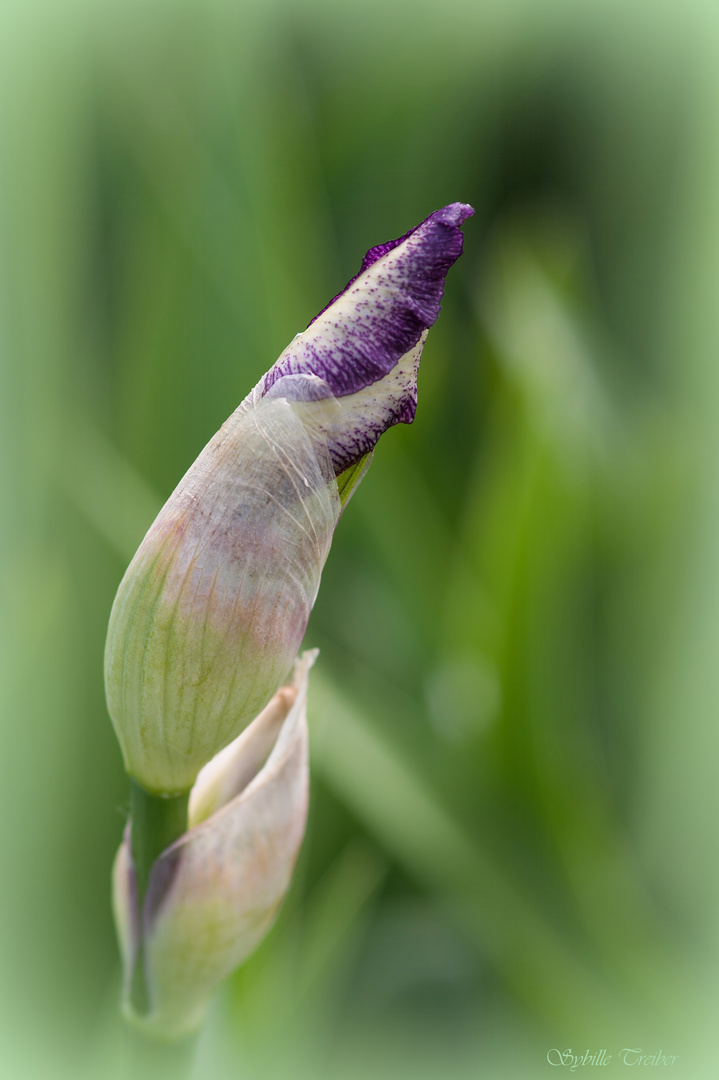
378,320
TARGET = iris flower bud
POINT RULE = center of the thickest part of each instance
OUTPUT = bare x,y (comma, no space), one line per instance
213,608
213,894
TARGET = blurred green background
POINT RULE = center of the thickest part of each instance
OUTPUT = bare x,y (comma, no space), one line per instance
511,844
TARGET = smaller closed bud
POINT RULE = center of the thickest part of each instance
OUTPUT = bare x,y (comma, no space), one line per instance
213,894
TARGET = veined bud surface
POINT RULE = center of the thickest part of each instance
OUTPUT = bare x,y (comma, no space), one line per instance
213,608
213,895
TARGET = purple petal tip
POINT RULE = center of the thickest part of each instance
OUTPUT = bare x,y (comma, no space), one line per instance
453,216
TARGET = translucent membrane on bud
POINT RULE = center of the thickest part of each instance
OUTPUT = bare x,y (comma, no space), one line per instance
351,425
213,895
213,607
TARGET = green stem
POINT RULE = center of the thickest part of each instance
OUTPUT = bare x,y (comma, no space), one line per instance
157,821
151,1059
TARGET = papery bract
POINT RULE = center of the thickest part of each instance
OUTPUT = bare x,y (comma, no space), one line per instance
213,608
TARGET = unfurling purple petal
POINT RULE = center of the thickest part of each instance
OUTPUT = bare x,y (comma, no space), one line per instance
378,319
